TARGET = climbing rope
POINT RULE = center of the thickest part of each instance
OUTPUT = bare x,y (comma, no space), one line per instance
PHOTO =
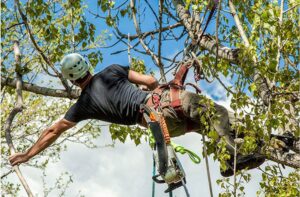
153,174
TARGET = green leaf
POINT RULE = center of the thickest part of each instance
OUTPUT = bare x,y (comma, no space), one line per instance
252,87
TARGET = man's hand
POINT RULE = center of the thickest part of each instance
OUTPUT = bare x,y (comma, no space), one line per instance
18,158
147,80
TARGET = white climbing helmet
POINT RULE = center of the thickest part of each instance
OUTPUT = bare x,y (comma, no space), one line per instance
74,66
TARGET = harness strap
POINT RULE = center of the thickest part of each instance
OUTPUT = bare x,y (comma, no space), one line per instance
174,97
180,75
175,86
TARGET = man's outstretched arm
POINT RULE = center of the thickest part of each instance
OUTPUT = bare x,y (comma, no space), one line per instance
46,139
149,81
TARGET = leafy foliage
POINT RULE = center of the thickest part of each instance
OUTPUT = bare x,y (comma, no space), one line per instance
135,133
274,185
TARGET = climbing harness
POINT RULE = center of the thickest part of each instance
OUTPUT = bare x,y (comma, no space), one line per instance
170,170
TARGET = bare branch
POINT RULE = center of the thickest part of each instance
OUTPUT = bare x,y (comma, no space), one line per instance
159,33
18,108
149,33
96,15
128,50
168,13
142,52
46,70
152,10
6,174
14,25
41,90
148,51
291,8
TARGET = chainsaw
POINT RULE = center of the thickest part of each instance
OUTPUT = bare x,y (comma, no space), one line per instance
170,170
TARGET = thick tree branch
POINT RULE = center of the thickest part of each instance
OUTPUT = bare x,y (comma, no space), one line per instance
238,24
279,37
18,108
206,42
41,90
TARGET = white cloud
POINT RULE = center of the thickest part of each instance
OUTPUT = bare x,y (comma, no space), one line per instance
126,170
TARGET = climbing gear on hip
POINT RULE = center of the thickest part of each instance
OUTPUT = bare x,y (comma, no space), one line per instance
169,168
160,145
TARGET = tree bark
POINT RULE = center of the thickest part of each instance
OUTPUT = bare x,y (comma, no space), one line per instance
284,158
41,90
206,42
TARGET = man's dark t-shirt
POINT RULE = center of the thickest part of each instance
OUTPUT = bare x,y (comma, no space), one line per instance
109,97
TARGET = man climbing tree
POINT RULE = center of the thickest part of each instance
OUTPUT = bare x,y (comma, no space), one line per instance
110,96
246,54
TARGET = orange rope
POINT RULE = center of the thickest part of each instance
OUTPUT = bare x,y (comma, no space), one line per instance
152,117
164,127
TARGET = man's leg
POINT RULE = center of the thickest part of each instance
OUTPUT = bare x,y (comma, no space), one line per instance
176,125
196,106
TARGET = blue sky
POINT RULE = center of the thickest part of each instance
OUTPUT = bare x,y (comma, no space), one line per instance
169,48
126,26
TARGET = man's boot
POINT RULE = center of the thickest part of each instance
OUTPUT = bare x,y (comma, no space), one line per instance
243,162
